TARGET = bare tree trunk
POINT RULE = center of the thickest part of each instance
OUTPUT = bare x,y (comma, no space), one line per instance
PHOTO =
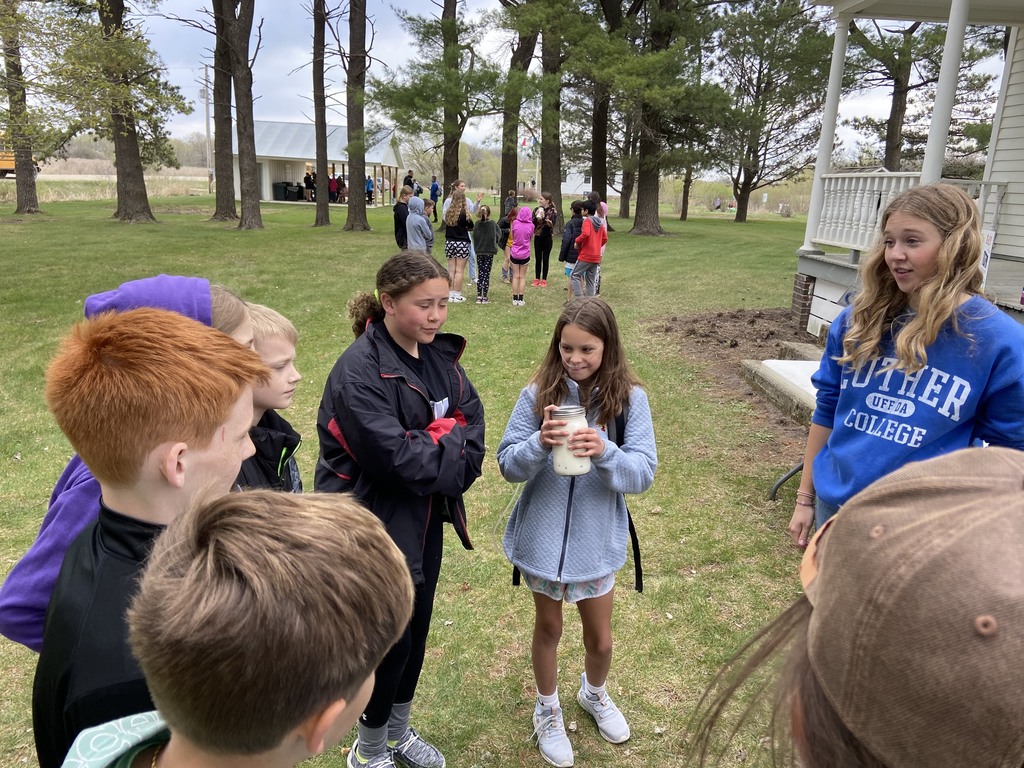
132,198
599,144
451,130
512,104
223,163
17,123
628,175
664,26
897,117
742,192
612,10
648,219
628,184
323,200
355,93
551,116
684,207
238,28
898,66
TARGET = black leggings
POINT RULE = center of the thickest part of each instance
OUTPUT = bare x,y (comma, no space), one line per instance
399,671
483,273
542,245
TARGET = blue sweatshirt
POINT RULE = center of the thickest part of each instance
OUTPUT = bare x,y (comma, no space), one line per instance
971,389
573,529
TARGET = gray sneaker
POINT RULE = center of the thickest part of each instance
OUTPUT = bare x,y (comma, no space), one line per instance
383,760
609,719
413,752
549,730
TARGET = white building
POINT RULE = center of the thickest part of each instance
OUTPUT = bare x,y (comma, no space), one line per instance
284,150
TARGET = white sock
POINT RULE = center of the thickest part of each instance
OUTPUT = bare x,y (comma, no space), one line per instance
543,702
591,690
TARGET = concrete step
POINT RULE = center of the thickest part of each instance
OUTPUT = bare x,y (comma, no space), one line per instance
786,384
797,350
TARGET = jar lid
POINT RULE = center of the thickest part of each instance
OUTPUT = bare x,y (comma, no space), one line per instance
568,412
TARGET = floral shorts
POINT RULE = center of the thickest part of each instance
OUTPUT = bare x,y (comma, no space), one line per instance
571,592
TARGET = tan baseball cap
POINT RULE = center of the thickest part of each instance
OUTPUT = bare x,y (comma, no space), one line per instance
917,632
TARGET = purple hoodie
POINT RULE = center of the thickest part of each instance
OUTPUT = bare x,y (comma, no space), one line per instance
75,501
522,232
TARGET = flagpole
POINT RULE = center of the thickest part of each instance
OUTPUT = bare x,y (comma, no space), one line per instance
536,173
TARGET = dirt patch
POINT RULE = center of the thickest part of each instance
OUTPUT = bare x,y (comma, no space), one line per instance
718,341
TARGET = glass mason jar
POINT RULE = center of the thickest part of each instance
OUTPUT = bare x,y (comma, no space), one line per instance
565,462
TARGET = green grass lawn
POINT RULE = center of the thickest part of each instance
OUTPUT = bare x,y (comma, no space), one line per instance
717,557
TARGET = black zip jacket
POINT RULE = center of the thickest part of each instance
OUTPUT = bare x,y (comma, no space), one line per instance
573,229
379,439
86,674
273,465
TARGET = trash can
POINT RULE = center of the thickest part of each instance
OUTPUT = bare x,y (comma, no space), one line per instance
293,193
279,188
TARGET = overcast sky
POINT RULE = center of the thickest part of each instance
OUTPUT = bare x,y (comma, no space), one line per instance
282,81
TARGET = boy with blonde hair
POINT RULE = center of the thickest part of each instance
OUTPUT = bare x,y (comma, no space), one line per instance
273,465
159,408
259,622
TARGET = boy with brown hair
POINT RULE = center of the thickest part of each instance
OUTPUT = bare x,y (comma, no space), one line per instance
159,408
259,622
273,465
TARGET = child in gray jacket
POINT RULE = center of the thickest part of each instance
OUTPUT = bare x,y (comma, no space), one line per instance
417,227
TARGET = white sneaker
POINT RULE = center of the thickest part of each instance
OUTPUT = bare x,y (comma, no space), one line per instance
549,730
609,719
457,298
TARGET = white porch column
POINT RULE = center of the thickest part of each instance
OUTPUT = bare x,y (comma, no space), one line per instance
823,162
945,92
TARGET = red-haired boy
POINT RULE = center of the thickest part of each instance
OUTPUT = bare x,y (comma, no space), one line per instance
159,408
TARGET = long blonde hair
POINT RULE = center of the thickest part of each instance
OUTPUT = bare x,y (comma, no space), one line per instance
455,208
880,303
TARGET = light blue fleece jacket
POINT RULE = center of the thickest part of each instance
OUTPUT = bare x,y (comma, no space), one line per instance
573,529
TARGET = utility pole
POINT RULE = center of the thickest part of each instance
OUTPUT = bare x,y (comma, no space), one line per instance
209,143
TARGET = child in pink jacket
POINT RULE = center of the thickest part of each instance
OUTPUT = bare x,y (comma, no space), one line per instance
522,234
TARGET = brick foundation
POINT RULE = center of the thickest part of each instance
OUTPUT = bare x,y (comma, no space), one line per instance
803,294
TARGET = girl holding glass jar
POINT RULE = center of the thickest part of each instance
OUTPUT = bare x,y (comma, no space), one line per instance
567,533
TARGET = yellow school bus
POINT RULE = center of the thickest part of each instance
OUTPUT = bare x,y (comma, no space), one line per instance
7,157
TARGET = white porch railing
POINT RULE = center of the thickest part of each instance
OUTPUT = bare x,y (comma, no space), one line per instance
854,201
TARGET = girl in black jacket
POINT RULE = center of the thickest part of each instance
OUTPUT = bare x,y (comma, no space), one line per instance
402,428
568,253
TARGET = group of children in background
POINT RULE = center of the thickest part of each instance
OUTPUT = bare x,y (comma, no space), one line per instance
262,623
472,244
582,247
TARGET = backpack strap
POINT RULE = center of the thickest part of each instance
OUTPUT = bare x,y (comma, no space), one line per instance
617,432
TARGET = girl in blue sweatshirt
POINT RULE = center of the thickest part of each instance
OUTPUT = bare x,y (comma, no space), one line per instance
567,535
919,365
